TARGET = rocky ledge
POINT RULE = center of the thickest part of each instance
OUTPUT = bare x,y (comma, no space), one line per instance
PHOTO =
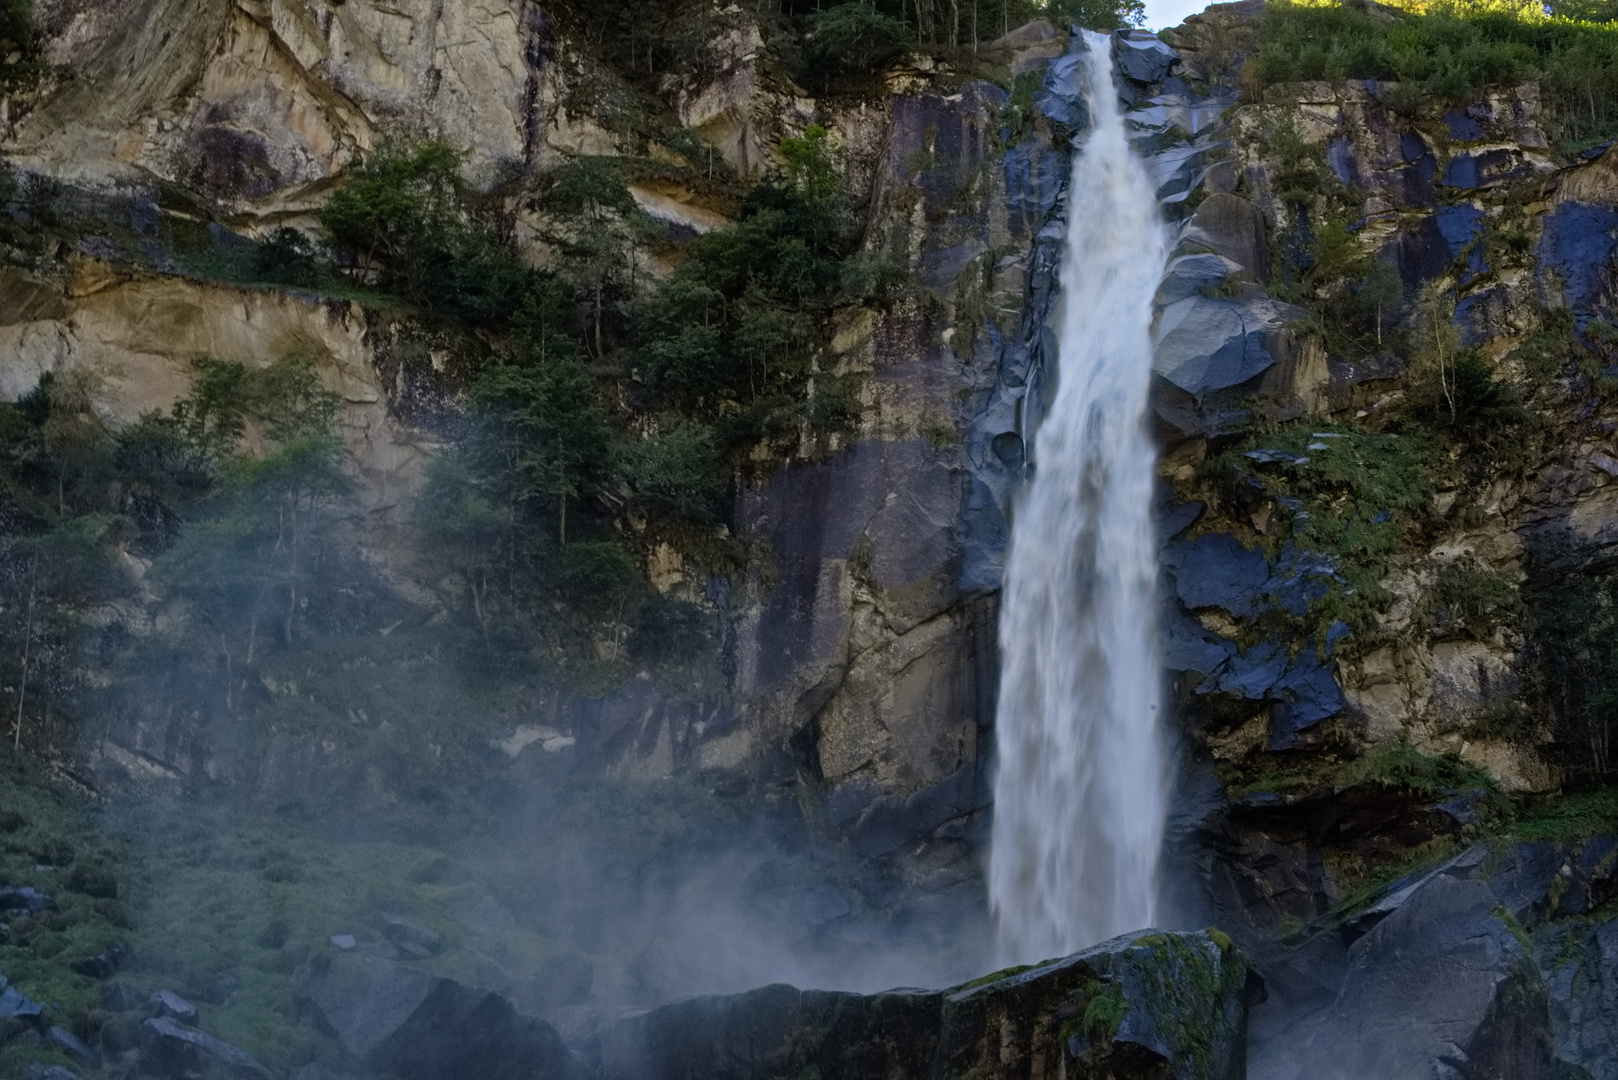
1150,1004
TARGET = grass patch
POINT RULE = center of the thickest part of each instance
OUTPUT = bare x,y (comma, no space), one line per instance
1568,819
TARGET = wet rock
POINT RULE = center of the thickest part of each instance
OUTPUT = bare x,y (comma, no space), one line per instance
564,979
404,1024
120,997
1195,275
73,1046
1233,228
1142,58
27,900
458,1031
411,937
1441,987
1205,344
1581,973
172,1050
168,1003
1577,243
1217,571
1176,1007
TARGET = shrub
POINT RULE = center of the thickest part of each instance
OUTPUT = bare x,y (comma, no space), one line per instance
402,215
675,474
853,37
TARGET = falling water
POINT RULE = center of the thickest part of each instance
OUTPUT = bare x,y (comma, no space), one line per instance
1080,787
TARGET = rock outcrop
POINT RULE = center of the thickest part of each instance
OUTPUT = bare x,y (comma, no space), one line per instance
1495,963
1143,1005
398,1023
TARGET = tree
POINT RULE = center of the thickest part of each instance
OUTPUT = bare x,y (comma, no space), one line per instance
538,432
598,225
1098,14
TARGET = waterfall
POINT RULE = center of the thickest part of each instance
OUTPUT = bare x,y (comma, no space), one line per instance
1080,792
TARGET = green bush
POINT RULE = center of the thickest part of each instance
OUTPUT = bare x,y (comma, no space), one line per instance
740,317
674,474
402,215
1470,597
19,45
852,37
1571,600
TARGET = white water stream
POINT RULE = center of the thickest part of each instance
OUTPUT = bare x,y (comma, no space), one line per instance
1080,793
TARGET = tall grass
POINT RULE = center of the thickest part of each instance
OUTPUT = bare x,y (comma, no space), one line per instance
1452,52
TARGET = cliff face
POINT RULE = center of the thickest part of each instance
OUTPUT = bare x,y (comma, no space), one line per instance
863,627
1321,674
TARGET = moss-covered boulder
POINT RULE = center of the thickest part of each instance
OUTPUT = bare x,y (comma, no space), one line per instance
1153,1005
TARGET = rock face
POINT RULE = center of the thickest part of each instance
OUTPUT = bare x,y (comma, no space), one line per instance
1440,983
1152,1005
255,103
1493,964
398,1023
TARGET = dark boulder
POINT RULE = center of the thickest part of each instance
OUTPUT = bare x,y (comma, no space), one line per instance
172,1050
458,1031
26,900
1441,987
361,1000
120,997
1143,1005
168,1003
1581,973
398,1023
103,965
1142,58
15,1005
1206,343
74,1047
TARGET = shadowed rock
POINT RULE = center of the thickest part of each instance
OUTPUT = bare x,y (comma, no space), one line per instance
1441,987
1143,1005
398,1023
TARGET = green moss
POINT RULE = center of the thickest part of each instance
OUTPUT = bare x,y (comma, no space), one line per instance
1183,988
992,977
1338,490
1568,819
1104,1015
1516,928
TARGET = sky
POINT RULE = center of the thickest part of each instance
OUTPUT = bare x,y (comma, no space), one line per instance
1164,13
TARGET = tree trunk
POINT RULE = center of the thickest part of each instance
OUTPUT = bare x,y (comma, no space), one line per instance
27,640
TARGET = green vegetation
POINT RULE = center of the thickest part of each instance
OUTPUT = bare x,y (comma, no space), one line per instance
403,214
1389,765
1337,490
1572,623
1570,818
733,330
1104,1014
1475,599
1451,52
19,45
